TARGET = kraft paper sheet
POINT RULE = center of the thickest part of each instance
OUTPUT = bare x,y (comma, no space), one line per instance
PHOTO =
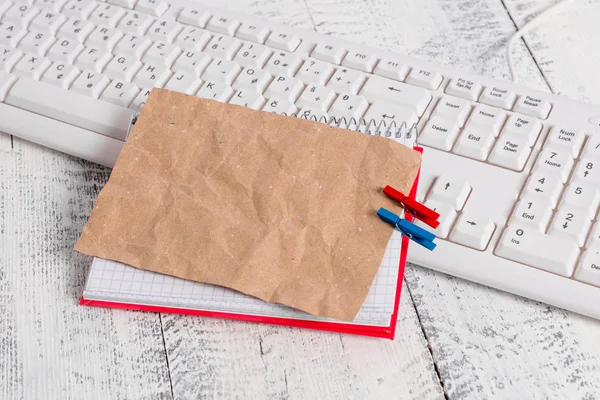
276,207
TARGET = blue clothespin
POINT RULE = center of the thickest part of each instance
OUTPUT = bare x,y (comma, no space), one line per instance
408,229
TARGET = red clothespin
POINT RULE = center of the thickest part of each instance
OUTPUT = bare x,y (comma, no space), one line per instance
425,214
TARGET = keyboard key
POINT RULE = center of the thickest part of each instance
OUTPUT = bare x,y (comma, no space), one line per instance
104,37
594,239
76,29
314,114
284,87
80,9
107,14
588,170
193,16
588,270
492,118
184,82
47,21
389,112
346,80
544,184
9,57
135,22
557,161
61,75
393,69
511,152
563,138
592,148
65,50
253,55
215,90
93,58
533,211
446,220
6,82
140,100
253,32
280,106
193,38
70,107
90,83
21,14
378,88
317,96
453,108
248,98
440,133
120,93
329,53
152,75
133,45
498,97
473,231
123,68
222,70
193,61
465,88
284,41
571,222
50,5
533,106
359,60
528,127
164,29
450,191
153,7
475,142
36,42
315,71
526,245
222,24
424,78
122,3
162,53
582,195
252,79
282,63
5,5
349,106
31,66
11,33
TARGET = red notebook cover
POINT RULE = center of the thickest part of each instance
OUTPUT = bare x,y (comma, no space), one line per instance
363,330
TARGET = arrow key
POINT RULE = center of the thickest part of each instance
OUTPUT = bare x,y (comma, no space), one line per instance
571,222
450,191
473,231
544,184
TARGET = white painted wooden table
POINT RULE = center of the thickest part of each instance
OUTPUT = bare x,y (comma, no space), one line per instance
455,338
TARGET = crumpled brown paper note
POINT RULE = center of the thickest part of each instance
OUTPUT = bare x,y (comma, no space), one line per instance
276,207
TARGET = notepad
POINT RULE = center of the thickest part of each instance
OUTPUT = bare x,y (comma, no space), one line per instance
117,282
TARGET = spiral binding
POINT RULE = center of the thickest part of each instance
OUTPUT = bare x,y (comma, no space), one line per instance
371,126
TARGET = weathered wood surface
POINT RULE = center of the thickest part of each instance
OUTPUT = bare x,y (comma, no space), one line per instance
485,344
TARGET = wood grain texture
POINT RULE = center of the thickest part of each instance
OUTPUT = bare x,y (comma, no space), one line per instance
486,344
51,347
214,359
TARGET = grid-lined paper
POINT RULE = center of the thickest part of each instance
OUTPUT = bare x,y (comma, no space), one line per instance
116,282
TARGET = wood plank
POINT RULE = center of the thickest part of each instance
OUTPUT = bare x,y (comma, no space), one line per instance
565,46
52,347
218,358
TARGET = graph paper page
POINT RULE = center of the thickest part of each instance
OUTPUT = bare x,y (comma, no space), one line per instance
116,282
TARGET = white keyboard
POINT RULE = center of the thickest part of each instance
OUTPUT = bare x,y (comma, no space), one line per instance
514,172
